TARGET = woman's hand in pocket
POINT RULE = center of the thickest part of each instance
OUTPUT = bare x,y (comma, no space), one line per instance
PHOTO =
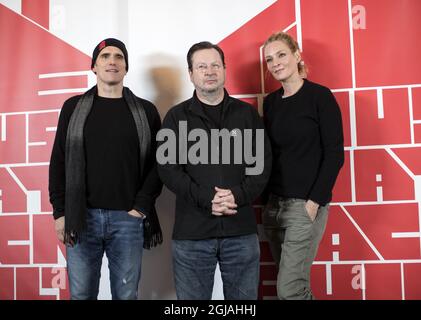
311,208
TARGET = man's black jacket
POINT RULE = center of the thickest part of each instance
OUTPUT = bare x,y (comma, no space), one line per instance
194,184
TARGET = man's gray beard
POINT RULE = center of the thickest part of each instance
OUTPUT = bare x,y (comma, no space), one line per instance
209,91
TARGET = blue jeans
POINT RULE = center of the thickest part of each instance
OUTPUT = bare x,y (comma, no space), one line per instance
194,263
120,235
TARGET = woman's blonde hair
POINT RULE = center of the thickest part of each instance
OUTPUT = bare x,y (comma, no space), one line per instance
292,45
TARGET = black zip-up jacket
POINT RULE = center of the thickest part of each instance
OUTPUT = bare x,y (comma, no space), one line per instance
194,184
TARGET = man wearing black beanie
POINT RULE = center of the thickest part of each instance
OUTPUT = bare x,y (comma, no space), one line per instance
103,181
110,42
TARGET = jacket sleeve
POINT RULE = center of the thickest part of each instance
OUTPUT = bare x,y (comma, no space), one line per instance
57,177
332,142
254,184
152,186
177,180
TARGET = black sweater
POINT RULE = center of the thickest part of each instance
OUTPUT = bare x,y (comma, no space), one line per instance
112,158
306,135
194,184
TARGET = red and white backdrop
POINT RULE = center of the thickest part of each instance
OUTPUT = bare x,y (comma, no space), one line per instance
366,51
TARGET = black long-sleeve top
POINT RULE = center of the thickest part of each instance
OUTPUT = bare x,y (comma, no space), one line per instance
112,158
306,135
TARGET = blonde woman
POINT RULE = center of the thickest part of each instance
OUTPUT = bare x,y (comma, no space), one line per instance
303,121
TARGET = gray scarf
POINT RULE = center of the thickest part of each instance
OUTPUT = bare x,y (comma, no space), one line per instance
75,196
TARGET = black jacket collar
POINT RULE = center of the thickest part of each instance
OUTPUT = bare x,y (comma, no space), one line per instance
196,106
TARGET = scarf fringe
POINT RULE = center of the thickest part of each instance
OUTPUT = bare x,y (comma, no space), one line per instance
152,234
71,238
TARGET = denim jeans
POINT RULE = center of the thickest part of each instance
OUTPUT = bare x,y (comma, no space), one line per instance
293,239
194,263
120,235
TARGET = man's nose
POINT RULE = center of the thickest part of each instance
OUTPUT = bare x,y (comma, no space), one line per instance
209,70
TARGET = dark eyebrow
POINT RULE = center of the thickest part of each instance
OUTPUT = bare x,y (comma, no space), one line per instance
107,54
277,52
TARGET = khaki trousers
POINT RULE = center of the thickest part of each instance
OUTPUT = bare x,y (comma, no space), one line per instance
294,239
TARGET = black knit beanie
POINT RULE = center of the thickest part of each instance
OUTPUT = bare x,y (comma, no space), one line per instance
110,42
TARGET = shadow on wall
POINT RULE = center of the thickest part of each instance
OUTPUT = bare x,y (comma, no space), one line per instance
167,83
157,282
